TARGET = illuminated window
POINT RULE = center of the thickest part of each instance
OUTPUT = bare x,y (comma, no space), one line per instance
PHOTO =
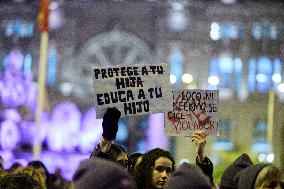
223,142
176,67
226,67
27,64
225,73
260,143
251,75
264,31
277,70
213,79
18,28
52,67
226,30
264,74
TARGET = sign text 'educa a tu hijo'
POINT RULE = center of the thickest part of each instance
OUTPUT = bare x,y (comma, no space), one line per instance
132,89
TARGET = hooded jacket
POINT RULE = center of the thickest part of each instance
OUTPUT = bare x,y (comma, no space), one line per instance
190,177
228,180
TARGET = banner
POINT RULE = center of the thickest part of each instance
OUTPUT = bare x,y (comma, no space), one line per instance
132,89
192,110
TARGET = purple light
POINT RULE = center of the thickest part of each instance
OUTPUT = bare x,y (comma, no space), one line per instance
155,132
64,127
12,115
15,60
10,135
91,131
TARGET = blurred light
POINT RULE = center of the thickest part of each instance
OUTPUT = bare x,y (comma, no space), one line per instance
176,6
16,59
226,64
122,133
223,145
173,79
56,16
177,17
187,78
66,88
183,161
261,157
281,87
276,78
213,80
11,114
9,135
142,146
273,32
261,78
155,131
53,5
228,1
215,31
270,158
225,94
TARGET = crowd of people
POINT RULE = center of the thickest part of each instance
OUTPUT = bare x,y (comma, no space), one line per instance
111,167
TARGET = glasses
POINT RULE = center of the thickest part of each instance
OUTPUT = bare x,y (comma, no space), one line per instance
124,163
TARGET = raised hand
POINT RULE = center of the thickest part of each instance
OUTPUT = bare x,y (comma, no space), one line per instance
110,123
199,137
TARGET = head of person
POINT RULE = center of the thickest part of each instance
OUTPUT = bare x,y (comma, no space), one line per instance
228,180
40,169
188,176
268,177
97,173
259,176
36,175
154,169
133,160
18,181
119,155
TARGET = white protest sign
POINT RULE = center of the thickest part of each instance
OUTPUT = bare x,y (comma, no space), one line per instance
132,89
192,110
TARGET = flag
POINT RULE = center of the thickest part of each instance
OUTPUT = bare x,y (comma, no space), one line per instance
43,15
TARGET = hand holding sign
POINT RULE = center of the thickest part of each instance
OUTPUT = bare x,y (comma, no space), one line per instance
199,137
110,123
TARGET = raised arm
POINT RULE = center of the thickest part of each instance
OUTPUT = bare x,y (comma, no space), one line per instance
110,128
199,137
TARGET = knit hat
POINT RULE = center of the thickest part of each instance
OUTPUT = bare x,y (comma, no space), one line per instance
96,173
246,177
188,176
227,180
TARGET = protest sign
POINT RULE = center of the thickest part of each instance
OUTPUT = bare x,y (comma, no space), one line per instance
192,110
132,89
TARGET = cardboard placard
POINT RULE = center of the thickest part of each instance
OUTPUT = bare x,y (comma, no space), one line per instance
192,110
132,89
